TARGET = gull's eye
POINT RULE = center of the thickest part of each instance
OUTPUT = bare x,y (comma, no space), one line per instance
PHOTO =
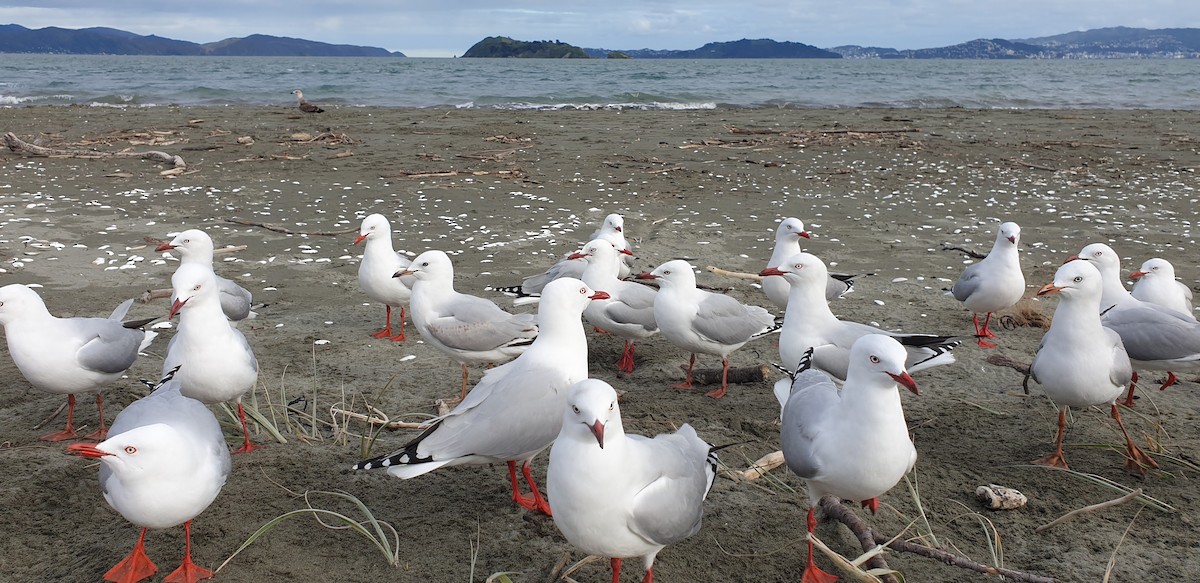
197,288
583,290
129,449
874,359
1078,278
611,405
667,272
575,409
425,264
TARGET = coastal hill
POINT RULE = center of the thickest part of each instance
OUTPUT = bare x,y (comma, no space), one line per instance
15,38
1101,43
739,49
504,47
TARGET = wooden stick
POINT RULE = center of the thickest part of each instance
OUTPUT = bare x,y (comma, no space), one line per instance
833,508
1094,507
290,231
737,375
18,145
377,421
764,464
737,274
1001,360
973,254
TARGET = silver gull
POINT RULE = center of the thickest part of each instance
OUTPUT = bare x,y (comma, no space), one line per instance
994,283
379,264
629,311
196,246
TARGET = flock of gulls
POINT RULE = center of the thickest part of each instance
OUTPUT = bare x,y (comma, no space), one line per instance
164,458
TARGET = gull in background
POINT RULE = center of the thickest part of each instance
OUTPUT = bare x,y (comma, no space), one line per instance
379,264
994,283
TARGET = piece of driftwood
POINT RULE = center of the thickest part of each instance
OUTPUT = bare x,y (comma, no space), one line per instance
763,465
737,274
869,538
737,375
18,145
1001,360
289,230
972,253
379,419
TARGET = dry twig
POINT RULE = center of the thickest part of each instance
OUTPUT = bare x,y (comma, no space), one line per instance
1092,508
289,230
18,145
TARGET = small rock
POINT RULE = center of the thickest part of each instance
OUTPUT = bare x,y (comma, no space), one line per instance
1000,498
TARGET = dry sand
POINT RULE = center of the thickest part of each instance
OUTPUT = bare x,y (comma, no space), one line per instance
529,187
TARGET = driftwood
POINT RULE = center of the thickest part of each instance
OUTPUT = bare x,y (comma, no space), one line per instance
763,465
869,538
18,145
289,230
972,253
738,375
737,274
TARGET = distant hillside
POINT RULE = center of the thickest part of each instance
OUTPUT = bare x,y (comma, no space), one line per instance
504,47
1100,43
15,38
977,49
739,49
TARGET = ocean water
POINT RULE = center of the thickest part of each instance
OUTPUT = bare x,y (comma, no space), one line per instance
546,84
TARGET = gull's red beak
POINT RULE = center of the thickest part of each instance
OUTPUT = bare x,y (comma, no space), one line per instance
1049,289
403,272
770,271
1070,259
599,296
575,256
1137,274
164,247
626,252
86,450
1013,239
175,307
645,275
360,239
906,380
598,430
805,234
618,229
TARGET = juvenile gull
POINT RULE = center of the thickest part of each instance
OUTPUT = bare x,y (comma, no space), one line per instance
516,409
810,324
787,244
701,321
195,246
164,464
994,283
469,329
216,363
1155,283
853,443
379,264
616,495
611,230
303,105
69,355
1081,362
629,311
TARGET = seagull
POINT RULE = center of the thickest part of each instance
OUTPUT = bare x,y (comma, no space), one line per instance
1081,362
1156,338
853,443
616,495
217,364
379,263
1156,284
469,329
701,321
995,283
69,355
304,105
164,464
629,311
195,246
787,244
809,323
611,230
516,409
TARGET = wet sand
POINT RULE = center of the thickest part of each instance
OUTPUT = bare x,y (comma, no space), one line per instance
506,193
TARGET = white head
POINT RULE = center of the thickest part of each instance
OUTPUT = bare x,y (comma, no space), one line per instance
876,354
1157,267
601,252
192,244
592,409
145,453
674,274
791,229
17,300
1102,257
1076,280
1010,231
801,269
431,265
192,285
298,93
375,226
566,294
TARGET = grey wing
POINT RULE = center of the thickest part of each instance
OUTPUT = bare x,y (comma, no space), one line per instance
1122,370
1151,332
110,348
671,505
477,324
565,268
121,310
235,299
724,320
967,284
621,312
804,416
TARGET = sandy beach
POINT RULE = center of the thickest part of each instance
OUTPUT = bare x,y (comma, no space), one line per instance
506,193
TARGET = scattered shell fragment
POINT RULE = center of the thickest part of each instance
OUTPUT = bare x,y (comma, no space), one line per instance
1000,497
245,140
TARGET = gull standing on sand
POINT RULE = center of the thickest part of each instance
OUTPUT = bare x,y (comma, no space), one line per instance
69,355
611,230
469,329
1155,283
810,324
303,104
616,495
1156,338
1081,362
994,283
195,246
701,321
379,264
629,311
516,409
852,443
216,363
787,244
164,464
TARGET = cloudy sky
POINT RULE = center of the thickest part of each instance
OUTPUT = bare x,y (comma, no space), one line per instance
447,28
